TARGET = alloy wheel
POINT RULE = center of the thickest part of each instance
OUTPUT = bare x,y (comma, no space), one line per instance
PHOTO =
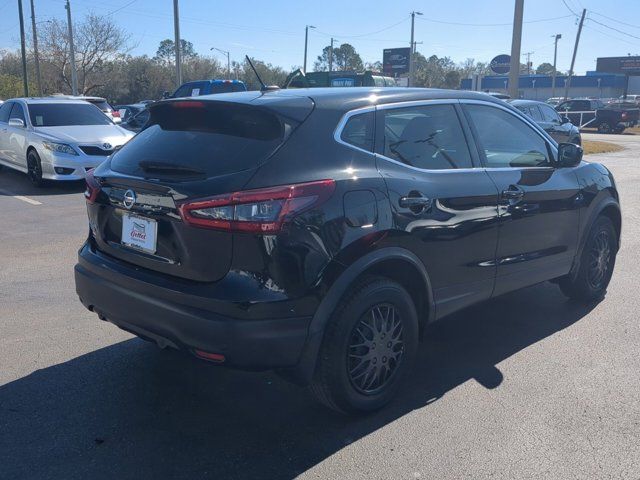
376,348
599,260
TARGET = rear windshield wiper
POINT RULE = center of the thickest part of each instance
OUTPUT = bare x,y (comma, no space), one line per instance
168,168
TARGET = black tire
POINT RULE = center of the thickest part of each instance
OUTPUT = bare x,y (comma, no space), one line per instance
619,130
596,264
34,169
604,127
350,342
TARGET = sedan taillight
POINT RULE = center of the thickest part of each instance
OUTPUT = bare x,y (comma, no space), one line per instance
259,211
93,187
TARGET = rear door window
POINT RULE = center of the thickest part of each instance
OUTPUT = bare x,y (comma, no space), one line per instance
427,137
202,140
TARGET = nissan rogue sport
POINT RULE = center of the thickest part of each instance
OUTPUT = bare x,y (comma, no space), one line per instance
318,232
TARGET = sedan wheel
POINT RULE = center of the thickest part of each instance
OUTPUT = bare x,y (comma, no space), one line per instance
34,169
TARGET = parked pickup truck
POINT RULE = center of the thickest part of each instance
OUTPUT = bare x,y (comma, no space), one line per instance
595,114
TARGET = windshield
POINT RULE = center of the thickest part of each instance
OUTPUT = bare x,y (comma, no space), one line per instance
66,114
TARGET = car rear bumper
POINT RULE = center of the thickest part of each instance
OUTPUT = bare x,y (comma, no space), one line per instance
187,322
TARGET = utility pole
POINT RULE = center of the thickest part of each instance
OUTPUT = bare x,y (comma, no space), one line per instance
412,47
514,71
528,54
72,52
36,56
306,42
177,43
25,79
575,51
555,59
331,56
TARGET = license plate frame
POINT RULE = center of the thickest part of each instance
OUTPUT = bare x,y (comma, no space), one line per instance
139,233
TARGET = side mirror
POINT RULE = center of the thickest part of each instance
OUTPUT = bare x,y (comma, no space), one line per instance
569,155
564,119
166,94
16,122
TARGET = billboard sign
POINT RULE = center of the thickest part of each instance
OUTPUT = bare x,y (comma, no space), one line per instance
395,61
501,64
628,65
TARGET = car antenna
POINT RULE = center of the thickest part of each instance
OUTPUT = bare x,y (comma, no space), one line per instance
263,86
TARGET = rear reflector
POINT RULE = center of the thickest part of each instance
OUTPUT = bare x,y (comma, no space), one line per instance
214,357
259,211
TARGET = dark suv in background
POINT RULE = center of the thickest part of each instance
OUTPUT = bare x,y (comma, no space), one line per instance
558,127
319,231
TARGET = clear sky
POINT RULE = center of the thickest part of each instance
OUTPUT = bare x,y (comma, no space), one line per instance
274,31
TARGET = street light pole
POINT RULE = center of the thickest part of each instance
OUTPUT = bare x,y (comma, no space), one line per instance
228,60
306,42
72,52
331,56
25,79
555,59
178,43
36,56
412,47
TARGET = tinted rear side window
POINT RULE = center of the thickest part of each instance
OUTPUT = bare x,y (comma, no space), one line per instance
202,139
358,131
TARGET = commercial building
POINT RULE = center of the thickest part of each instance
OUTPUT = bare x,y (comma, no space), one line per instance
615,76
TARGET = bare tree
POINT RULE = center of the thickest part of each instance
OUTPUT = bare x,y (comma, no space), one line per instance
99,42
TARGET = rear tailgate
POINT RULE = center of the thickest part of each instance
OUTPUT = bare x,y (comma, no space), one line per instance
192,149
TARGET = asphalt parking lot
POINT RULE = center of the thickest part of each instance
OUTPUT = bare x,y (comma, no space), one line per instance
528,385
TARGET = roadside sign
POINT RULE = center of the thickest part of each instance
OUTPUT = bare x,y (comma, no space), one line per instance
501,64
395,61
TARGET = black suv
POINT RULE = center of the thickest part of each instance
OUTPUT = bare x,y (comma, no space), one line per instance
319,231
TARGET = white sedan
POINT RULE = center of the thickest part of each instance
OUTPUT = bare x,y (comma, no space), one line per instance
56,139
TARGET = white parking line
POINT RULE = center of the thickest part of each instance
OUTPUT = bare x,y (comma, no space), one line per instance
28,200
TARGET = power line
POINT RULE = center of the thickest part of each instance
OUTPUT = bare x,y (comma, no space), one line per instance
509,24
122,7
614,20
569,8
606,34
365,34
614,29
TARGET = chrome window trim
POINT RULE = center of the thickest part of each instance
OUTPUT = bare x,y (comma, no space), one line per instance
440,101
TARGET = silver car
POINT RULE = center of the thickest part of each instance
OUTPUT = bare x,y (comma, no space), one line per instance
56,139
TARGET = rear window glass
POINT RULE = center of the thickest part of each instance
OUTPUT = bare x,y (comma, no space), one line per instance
101,104
227,87
62,115
201,139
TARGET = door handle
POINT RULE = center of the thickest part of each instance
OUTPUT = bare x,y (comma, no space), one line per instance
415,201
513,193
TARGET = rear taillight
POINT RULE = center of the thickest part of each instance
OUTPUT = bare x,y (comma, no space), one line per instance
260,211
115,114
93,187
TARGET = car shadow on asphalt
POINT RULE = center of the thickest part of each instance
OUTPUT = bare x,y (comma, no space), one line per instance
131,410
13,182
